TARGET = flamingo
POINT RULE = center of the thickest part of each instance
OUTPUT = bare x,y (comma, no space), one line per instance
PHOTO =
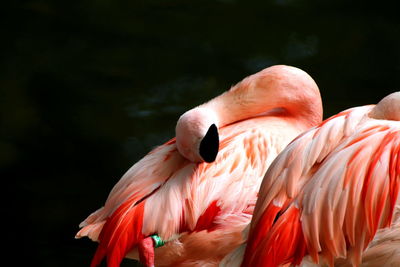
331,197
196,192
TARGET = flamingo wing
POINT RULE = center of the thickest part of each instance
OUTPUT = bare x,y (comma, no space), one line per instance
328,192
120,221
138,182
353,193
290,170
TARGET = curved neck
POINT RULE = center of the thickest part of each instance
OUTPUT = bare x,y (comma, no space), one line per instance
283,87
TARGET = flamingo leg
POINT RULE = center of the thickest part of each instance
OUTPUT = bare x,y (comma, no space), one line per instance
146,251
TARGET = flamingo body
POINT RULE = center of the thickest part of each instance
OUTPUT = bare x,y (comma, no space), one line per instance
329,191
193,204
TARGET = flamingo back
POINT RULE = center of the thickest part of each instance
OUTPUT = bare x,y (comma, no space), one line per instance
328,192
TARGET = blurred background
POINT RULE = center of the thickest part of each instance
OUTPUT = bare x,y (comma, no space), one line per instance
89,87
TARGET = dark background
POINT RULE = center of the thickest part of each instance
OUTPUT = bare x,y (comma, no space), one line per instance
88,87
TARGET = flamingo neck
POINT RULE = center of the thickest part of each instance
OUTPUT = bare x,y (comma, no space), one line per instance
279,89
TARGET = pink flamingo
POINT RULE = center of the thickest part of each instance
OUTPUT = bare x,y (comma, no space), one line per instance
328,192
186,195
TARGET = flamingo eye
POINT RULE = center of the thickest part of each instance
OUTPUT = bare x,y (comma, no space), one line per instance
210,144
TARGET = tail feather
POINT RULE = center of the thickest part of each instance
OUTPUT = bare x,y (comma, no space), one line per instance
121,232
92,231
285,243
92,225
93,218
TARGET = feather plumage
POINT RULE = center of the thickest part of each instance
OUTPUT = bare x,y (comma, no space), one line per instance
342,177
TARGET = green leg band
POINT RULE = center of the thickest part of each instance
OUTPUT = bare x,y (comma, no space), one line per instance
158,242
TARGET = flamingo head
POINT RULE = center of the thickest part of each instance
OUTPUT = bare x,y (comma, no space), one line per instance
388,108
197,136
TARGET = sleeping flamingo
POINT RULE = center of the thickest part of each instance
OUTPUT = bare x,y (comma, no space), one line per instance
325,196
197,192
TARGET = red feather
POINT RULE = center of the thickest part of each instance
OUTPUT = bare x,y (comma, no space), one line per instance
285,243
374,218
206,220
394,174
121,232
261,229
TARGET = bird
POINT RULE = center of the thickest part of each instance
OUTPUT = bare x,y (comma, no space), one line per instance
331,197
195,193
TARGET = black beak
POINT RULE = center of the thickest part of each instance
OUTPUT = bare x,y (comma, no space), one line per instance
210,144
